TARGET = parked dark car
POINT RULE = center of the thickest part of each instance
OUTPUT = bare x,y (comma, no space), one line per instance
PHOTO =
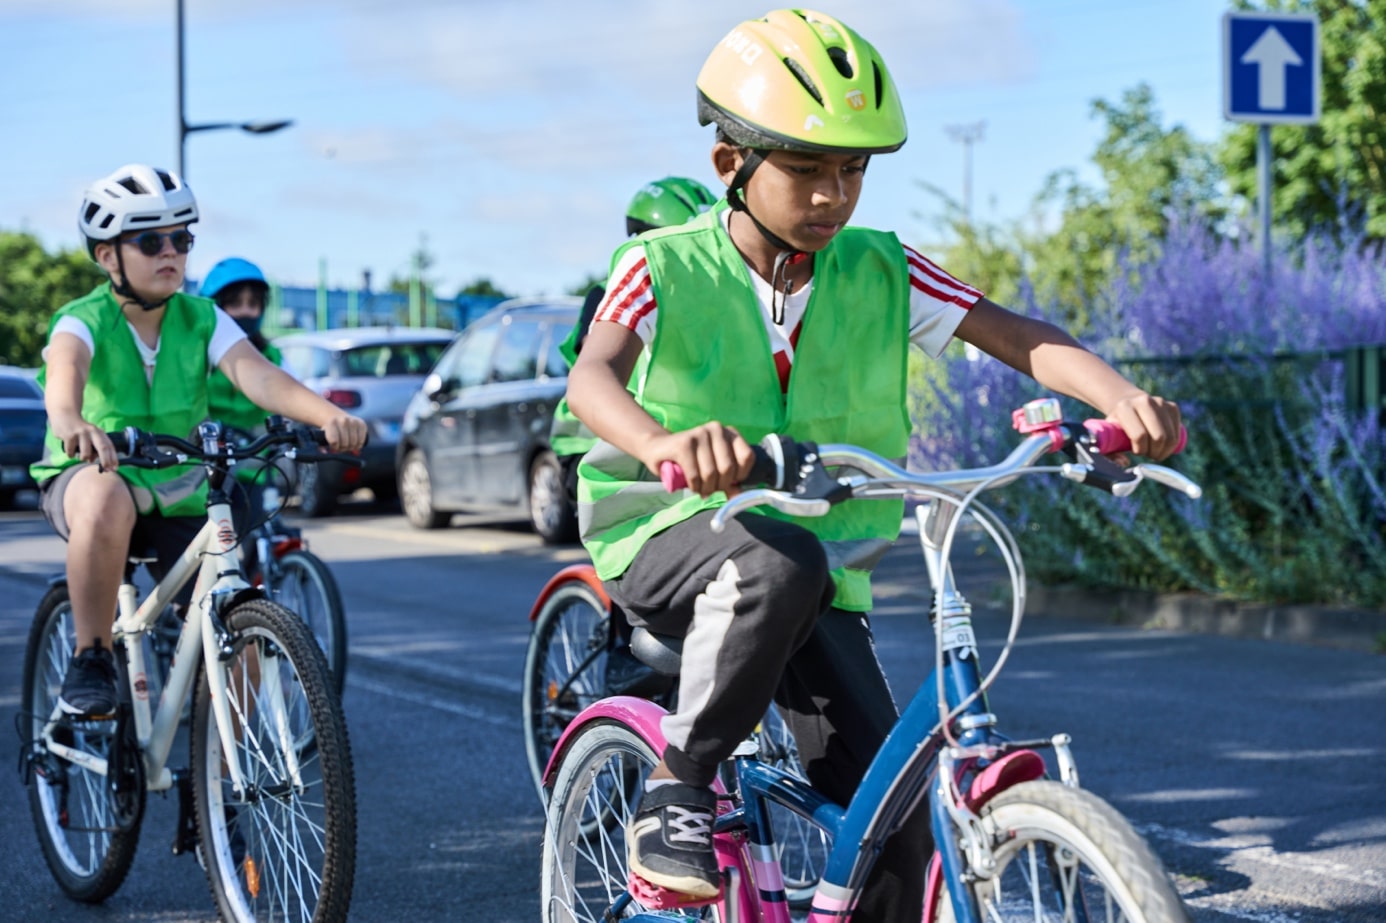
476,436
23,422
372,372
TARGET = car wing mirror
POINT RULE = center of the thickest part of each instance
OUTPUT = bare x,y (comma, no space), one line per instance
437,388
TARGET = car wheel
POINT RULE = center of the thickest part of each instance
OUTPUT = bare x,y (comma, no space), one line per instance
317,490
550,507
416,493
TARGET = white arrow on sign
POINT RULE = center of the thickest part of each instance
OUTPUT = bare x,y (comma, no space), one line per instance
1272,55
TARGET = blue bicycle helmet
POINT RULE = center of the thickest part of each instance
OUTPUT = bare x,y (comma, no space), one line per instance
228,272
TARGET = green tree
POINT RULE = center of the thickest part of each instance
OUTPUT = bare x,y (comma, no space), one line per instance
34,284
1071,244
482,285
1334,170
586,285
1149,173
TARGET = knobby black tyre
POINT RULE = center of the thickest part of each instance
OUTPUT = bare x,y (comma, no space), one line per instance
573,628
1064,848
304,584
595,796
88,833
284,848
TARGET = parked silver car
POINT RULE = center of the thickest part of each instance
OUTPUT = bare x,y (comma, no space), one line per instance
371,372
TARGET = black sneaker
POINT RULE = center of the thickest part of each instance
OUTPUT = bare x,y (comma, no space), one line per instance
89,689
670,841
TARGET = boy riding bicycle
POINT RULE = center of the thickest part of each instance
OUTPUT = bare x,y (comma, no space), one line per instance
136,351
769,315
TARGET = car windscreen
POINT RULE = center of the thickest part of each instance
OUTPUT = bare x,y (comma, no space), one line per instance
14,386
383,360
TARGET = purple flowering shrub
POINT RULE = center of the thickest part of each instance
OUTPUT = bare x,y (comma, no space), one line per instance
1295,482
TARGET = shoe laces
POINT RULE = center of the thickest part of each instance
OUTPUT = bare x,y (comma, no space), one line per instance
685,825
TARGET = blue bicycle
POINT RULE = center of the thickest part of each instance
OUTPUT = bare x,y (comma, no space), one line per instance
1012,844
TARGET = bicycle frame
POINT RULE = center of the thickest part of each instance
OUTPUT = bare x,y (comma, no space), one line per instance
946,735
211,556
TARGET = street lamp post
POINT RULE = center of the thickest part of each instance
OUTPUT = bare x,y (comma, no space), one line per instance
967,135
184,129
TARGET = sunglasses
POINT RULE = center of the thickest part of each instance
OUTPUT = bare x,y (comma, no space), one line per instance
151,243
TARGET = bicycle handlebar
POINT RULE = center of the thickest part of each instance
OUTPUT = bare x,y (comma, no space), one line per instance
803,487
149,450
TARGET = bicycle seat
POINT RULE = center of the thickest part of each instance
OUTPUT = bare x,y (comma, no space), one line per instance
661,653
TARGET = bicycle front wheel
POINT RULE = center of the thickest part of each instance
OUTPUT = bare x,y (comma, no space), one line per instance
1065,854
87,829
303,584
283,847
565,669
595,797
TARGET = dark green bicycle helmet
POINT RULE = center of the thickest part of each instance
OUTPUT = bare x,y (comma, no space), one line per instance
665,203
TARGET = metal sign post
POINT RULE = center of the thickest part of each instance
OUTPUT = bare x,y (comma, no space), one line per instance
1271,73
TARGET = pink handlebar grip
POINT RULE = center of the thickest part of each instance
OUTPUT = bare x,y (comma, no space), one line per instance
1112,438
671,476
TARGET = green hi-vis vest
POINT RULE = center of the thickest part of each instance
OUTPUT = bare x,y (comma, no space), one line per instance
118,394
710,359
228,405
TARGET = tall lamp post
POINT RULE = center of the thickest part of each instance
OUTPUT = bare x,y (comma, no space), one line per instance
184,129
967,135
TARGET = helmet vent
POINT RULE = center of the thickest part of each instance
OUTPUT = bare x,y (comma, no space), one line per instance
877,69
839,59
802,76
106,221
90,213
166,180
132,185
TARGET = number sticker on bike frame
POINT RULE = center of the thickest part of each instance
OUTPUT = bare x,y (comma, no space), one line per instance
958,637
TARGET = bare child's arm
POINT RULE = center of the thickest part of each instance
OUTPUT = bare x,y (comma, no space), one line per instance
1057,361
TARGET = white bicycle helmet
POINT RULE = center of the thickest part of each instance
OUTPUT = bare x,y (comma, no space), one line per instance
133,197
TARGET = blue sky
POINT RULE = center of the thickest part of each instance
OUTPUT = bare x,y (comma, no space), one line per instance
512,134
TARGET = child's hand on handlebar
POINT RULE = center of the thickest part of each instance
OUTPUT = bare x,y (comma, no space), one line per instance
713,457
86,441
1152,423
344,433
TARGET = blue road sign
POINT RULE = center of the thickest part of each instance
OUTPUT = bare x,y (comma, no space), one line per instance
1270,67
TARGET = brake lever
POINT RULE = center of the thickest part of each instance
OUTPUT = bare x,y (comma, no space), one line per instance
793,506
1169,478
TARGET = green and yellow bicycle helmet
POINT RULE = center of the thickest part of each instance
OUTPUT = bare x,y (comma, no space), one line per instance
796,80
667,202
801,81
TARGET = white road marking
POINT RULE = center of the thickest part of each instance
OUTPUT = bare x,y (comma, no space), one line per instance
1255,849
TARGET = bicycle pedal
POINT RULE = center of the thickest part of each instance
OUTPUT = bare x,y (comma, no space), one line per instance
660,898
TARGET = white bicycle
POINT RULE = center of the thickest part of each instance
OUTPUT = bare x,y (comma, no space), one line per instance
269,802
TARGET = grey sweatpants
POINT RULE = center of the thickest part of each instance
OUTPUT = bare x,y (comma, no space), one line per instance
754,606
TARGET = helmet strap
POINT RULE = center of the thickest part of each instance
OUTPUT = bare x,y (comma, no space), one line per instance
125,290
788,255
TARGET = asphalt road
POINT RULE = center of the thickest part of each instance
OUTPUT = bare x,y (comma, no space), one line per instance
1253,767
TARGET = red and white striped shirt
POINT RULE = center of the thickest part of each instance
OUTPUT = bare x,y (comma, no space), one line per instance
938,303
